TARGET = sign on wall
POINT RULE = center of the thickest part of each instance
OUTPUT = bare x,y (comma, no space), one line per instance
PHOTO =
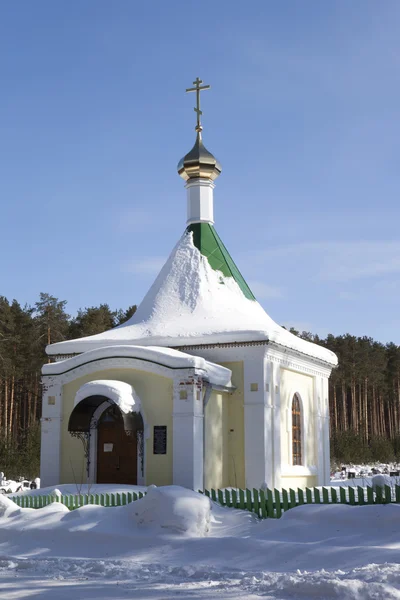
160,439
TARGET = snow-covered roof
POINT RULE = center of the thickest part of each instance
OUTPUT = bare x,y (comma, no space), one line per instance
121,393
167,357
191,303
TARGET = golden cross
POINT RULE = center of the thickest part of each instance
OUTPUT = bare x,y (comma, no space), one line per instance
198,88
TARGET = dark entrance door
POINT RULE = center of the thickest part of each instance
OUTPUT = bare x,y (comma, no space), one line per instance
116,450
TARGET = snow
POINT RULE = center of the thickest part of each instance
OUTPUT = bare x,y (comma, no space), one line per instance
191,303
319,551
174,508
167,357
71,489
380,481
121,393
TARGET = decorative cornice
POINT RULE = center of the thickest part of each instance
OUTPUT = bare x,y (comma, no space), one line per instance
285,361
119,363
221,345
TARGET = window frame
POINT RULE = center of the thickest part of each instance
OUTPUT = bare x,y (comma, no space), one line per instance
297,427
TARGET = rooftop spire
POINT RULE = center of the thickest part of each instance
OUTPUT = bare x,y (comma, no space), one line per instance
198,88
199,163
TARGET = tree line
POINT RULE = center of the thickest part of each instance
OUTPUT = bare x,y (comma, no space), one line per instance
364,391
25,331
364,398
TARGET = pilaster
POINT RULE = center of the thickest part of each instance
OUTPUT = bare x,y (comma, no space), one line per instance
188,432
50,450
325,430
276,422
257,421
319,434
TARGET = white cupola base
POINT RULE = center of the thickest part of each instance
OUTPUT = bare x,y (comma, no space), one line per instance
200,202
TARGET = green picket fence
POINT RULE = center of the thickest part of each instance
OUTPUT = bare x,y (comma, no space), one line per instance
72,501
264,503
273,503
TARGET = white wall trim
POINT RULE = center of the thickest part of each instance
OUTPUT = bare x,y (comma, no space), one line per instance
298,470
119,363
304,427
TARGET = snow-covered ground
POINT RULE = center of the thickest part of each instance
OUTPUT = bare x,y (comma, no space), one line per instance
169,544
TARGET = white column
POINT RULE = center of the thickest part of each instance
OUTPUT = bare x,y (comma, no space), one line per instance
257,423
188,423
325,430
277,427
50,450
269,424
200,204
319,446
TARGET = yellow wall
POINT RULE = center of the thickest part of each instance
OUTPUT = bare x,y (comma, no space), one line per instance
299,482
235,426
292,383
216,441
155,393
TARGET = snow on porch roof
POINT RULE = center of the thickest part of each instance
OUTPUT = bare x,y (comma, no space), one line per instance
194,301
121,393
166,357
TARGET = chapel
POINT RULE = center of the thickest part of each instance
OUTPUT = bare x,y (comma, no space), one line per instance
200,387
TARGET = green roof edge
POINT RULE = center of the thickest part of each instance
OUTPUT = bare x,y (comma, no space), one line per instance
208,242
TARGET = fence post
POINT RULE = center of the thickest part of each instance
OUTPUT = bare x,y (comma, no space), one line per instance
270,504
285,500
242,502
249,500
234,499
388,494
378,493
263,503
397,490
256,502
278,503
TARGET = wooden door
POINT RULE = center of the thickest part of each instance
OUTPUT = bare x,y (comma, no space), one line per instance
116,451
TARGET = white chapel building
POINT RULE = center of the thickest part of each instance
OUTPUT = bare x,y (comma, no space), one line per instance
199,388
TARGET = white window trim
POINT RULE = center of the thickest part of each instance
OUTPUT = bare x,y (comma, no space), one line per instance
304,425
298,470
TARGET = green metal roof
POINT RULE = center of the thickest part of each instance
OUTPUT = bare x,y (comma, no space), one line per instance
207,240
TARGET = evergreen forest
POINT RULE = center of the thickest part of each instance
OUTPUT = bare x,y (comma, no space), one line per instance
364,391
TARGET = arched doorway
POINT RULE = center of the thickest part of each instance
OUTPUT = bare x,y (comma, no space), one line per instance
117,448
113,440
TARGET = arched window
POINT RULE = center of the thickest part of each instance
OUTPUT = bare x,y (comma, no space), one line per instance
296,431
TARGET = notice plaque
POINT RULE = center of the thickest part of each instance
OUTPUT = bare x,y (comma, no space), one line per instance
160,439
108,447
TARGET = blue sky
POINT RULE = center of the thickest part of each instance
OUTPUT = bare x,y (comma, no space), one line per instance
303,115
